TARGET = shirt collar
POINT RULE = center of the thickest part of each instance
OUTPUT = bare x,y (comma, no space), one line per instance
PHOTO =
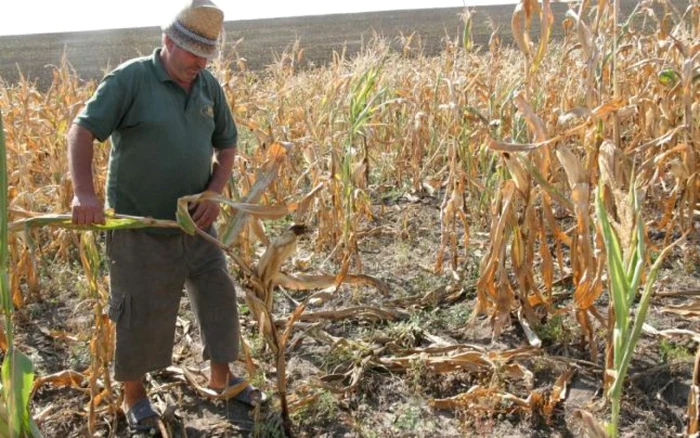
158,66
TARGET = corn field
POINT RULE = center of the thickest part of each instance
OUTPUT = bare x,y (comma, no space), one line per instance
560,179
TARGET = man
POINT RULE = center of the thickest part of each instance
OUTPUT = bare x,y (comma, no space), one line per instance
167,117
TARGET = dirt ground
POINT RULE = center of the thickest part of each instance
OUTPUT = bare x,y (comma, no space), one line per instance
55,332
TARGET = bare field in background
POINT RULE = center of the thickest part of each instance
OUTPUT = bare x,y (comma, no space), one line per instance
263,41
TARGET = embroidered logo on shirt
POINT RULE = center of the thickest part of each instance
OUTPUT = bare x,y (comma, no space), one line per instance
208,111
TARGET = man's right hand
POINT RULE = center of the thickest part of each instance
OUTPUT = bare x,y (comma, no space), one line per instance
87,210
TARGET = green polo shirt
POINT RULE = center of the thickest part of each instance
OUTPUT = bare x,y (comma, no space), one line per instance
163,138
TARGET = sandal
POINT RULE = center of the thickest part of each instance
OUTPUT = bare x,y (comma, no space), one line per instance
142,410
238,389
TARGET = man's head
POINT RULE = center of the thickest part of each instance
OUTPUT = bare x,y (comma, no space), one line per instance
197,28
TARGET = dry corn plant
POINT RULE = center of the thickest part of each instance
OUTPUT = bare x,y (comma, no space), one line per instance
568,142
102,342
37,162
430,108
267,274
17,368
514,209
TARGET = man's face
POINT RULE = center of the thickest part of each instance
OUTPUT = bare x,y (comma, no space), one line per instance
184,65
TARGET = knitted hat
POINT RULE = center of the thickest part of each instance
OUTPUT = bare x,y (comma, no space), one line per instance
197,27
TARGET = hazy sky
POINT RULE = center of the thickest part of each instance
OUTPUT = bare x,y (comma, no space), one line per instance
19,17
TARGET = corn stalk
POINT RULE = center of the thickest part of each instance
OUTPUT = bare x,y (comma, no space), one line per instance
351,168
260,304
625,275
17,369
514,209
102,342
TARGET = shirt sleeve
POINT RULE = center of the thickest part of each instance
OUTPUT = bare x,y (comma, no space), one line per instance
104,111
225,133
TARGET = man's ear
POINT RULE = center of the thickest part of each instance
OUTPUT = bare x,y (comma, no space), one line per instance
168,42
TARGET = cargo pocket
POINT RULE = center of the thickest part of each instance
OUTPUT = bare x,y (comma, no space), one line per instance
118,308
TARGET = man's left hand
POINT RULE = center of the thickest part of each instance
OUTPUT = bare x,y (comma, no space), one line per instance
205,213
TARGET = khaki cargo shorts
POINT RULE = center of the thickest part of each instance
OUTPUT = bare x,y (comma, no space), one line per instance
147,275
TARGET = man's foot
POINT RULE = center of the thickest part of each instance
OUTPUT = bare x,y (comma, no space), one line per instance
238,389
143,419
140,415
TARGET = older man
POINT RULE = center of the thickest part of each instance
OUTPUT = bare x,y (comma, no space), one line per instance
172,135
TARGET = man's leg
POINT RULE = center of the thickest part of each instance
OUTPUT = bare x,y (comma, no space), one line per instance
220,375
213,298
147,273
133,392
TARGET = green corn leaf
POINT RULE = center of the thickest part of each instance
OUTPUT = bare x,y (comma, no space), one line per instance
618,278
635,279
114,222
4,253
17,380
184,219
640,253
4,427
635,276
641,316
467,40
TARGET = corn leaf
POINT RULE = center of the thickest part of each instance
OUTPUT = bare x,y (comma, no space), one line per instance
17,381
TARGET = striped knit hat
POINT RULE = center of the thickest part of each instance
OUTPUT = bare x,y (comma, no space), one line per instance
197,28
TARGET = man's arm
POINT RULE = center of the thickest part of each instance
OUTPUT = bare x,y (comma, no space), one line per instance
206,212
86,207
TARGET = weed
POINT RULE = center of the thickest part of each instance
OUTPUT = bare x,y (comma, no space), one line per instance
671,351
554,331
367,432
408,419
270,427
403,254
405,334
416,372
322,411
451,317
243,309
343,353
79,355
256,344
